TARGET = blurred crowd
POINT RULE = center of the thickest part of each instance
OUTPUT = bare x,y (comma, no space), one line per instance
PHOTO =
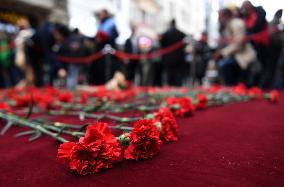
250,50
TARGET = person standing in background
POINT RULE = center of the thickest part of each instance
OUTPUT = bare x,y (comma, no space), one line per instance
131,46
41,53
174,61
21,60
276,44
5,60
104,68
237,53
277,48
257,30
201,57
75,48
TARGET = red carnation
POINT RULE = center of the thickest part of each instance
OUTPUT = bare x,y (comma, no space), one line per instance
5,107
201,101
97,151
83,98
240,89
214,88
180,106
50,90
274,96
255,92
23,100
65,97
168,124
46,101
144,141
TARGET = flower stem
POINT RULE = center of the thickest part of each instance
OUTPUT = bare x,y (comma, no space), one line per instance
26,123
95,116
119,127
58,130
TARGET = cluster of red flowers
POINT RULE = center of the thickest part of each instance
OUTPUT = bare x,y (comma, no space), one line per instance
43,98
49,97
256,93
102,93
99,149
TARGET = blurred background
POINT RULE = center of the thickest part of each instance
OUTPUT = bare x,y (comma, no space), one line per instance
141,42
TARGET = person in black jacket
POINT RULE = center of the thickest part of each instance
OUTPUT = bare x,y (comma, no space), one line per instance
258,35
131,47
173,62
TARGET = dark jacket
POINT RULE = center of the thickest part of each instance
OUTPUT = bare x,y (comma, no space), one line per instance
175,58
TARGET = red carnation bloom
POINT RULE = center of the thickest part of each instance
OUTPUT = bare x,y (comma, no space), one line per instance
255,92
240,89
83,98
66,97
201,101
183,104
168,124
274,96
23,101
50,90
46,101
144,141
97,151
5,107
214,88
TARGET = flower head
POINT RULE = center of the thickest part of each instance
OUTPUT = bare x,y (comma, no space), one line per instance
240,89
180,106
144,141
23,100
97,151
5,107
255,92
201,101
66,97
168,124
274,96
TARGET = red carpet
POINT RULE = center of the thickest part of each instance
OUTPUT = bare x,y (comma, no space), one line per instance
235,145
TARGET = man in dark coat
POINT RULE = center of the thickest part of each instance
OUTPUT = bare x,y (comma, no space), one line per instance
173,62
131,46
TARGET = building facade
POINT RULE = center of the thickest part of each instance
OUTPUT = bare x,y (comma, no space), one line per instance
36,11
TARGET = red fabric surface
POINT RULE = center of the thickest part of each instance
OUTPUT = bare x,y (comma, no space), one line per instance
236,145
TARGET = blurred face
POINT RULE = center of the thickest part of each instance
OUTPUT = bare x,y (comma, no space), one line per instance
57,36
247,8
102,15
203,37
222,18
23,24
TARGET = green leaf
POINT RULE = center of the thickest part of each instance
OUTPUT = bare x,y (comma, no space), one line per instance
6,128
25,133
35,136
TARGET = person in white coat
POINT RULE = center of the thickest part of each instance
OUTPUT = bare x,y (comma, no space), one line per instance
25,33
237,53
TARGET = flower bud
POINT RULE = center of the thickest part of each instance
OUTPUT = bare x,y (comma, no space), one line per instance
175,107
149,116
158,125
124,139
